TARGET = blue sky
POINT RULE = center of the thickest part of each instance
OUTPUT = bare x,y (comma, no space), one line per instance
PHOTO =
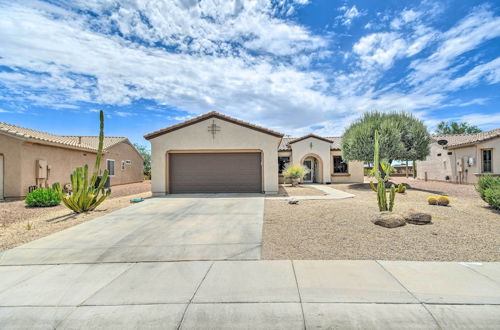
295,66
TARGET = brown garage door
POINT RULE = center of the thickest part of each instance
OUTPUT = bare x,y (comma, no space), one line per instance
215,172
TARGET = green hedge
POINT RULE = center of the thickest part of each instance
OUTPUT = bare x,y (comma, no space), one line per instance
488,188
43,198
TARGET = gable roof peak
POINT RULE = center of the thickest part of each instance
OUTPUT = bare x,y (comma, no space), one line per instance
209,115
310,135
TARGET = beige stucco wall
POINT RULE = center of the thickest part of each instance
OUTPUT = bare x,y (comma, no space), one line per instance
317,148
355,171
131,173
231,137
10,148
20,158
438,167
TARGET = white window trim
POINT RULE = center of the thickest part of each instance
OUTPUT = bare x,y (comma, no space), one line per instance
114,167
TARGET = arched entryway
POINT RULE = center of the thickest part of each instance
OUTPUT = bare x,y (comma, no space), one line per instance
314,163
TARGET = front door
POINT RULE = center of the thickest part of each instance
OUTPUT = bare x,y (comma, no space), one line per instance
309,164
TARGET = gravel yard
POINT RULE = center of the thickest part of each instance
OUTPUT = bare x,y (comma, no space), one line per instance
20,224
341,229
300,190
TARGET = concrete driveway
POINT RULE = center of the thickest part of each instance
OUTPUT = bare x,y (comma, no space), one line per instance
198,227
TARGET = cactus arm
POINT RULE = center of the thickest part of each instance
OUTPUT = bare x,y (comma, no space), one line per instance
99,149
392,196
372,185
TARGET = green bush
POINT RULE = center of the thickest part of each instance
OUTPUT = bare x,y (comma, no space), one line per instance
492,197
488,188
43,198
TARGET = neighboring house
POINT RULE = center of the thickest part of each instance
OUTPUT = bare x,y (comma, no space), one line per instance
31,158
462,158
217,153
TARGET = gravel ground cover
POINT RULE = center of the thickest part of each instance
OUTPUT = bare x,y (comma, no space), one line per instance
20,224
443,188
300,190
468,230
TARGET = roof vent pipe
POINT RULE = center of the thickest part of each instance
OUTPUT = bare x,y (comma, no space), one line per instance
79,140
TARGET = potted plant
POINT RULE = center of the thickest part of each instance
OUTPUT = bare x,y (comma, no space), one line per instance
295,172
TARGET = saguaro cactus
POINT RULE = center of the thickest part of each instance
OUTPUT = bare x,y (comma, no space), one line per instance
86,196
383,204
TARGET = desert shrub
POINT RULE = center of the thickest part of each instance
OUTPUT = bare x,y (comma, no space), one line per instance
492,197
487,182
443,200
43,198
401,188
432,200
295,171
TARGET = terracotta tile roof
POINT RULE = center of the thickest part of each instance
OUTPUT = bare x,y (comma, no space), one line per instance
209,115
80,142
462,140
335,142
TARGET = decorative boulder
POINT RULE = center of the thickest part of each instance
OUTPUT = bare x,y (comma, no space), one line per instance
417,218
389,220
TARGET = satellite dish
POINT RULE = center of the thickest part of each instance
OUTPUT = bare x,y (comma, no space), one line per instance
442,142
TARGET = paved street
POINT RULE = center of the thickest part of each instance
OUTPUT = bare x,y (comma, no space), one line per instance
192,263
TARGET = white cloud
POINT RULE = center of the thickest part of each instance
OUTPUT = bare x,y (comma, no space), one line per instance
349,14
481,25
380,48
407,16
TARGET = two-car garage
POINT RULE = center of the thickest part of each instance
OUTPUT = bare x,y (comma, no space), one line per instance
208,172
214,153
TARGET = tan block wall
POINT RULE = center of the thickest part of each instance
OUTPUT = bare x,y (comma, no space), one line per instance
231,137
20,164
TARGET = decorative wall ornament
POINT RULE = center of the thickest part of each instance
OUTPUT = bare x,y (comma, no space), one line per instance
213,129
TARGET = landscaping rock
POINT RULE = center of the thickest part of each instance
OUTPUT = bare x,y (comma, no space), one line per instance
293,201
417,218
389,220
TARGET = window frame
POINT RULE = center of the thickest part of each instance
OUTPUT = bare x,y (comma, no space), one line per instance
490,160
280,171
114,167
342,162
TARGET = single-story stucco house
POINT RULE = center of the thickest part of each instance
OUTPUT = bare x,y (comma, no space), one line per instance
30,158
217,153
462,158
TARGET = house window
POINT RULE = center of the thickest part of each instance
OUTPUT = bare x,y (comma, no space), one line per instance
450,153
439,155
282,163
339,166
123,165
111,166
487,168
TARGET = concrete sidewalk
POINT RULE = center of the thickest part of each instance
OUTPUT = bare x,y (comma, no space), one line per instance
277,294
331,193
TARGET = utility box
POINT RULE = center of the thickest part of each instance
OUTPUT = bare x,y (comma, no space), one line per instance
41,169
